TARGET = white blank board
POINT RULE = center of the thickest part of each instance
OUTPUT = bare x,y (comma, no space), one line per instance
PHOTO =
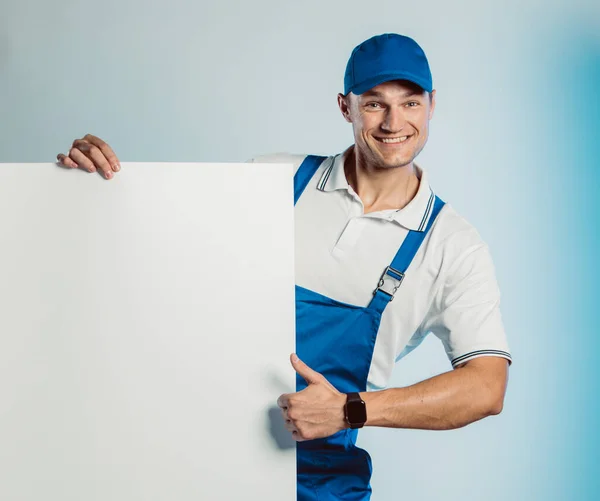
146,324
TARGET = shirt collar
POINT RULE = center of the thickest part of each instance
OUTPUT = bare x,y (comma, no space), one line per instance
414,216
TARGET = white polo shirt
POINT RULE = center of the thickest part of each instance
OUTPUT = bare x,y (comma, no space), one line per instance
450,288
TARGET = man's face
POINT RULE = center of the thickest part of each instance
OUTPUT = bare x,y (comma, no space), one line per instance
390,122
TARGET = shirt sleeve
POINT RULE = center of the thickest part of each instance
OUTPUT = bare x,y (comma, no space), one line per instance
467,315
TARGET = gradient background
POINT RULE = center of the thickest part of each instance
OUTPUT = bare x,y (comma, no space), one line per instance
514,147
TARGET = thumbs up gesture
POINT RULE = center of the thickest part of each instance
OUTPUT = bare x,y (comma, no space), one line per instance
315,412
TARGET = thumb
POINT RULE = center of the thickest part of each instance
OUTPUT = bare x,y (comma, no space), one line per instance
311,376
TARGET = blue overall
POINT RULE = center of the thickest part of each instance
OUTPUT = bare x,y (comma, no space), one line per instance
337,340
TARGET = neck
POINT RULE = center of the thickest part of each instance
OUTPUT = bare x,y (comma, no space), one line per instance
380,188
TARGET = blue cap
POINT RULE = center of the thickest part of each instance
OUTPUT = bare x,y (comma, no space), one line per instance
383,58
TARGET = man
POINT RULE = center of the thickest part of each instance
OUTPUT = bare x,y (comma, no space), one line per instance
369,229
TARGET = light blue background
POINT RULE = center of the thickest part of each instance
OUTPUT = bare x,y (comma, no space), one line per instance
514,147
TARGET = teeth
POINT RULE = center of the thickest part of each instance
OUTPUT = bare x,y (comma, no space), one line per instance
395,139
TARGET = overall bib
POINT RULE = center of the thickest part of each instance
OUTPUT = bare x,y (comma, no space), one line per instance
337,340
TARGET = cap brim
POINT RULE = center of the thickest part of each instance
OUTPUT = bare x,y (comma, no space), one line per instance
363,87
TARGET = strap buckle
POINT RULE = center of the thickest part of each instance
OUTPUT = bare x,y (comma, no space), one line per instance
389,282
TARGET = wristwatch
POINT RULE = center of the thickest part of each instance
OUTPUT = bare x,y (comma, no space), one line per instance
355,410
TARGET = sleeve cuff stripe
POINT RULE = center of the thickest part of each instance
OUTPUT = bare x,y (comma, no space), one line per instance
473,354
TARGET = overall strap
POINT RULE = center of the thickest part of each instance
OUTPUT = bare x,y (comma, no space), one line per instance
394,274
305,173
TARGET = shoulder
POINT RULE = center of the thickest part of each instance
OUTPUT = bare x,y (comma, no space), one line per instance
451,228
280,158
458,243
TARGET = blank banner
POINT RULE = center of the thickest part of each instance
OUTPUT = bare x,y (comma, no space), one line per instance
146,324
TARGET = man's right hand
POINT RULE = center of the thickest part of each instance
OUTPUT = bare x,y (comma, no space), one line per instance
92,154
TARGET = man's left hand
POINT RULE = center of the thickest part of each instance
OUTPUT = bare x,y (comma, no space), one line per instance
315,412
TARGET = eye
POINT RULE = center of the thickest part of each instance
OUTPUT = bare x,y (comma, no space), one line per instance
373,105
412,104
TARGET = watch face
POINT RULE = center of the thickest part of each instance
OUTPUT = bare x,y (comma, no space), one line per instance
357,412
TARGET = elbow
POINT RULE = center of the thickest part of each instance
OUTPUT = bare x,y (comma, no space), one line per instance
496,407
490,401
490,380
493,396
494,404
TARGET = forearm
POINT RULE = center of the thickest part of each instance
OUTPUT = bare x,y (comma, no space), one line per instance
447,401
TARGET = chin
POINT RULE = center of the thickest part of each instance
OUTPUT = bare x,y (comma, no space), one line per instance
394,163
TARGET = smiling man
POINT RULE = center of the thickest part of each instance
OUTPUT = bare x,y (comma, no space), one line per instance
369,230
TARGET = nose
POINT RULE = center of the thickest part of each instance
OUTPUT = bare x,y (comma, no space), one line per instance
394,120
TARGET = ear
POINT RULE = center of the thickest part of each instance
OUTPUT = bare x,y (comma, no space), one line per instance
344,105
432,104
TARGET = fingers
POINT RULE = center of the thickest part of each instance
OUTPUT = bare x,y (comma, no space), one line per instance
291,427
95,158
81,160
92,154
283,400
283,404
66,161
297,435
106,150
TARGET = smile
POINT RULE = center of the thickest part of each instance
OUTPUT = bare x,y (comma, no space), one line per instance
392,140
